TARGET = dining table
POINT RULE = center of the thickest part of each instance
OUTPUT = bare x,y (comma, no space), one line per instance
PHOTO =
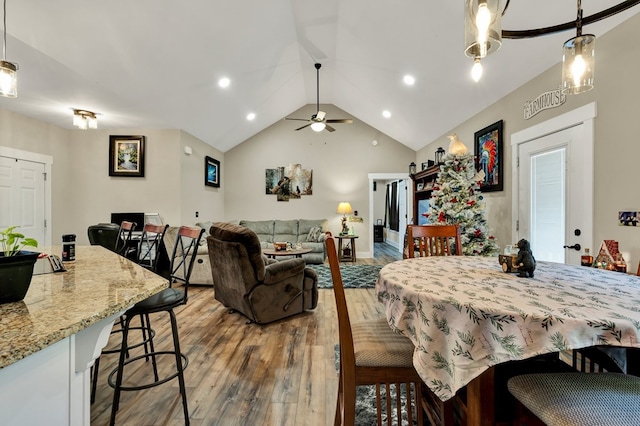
464,315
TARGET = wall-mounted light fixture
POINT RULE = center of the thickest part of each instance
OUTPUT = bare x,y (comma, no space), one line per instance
84,119
8,70
483,35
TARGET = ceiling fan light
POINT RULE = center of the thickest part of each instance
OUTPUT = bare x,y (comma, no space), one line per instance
317,127
482,27
578,62
8,79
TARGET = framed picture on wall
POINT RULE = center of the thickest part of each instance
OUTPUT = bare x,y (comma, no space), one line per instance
211,172
489,156
126,156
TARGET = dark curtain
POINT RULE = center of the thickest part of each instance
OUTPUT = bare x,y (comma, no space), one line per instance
394,214
386,207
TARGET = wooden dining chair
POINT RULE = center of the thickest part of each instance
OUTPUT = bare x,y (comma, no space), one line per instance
433,240
371,353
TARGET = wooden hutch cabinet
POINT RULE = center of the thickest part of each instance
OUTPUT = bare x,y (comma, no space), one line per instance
423,182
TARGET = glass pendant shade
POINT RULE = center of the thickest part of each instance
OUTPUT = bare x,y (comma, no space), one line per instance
578,62
8,79
317,127
482,27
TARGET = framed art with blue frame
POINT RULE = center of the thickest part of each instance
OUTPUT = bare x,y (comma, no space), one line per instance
211,172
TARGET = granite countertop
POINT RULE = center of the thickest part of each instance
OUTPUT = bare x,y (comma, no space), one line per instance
98,284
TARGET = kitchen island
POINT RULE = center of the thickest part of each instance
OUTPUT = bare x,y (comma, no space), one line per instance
49,341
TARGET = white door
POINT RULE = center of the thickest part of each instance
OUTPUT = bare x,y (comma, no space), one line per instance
555,193
22,191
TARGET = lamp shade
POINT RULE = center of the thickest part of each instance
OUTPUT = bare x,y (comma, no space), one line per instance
482,27
317,126
578,62
344,208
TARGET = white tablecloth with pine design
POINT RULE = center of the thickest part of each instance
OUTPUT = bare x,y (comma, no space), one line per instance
464,314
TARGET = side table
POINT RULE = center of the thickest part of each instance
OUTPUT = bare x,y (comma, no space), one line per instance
347,253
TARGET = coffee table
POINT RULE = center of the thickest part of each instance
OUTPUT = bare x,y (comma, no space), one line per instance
273,253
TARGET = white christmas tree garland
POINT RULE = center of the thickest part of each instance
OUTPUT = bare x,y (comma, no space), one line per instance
456,199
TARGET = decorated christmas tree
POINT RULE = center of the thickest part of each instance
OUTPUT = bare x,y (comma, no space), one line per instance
456,198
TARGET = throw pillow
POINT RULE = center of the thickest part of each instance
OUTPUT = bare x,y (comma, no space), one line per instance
314,234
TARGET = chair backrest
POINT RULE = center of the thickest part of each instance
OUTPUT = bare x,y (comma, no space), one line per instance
184,254
433,240
239,249
103,234
149,245
123,241
347,355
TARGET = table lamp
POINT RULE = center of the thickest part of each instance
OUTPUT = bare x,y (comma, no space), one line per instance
344,208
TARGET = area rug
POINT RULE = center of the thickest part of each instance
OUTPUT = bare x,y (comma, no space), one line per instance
353,276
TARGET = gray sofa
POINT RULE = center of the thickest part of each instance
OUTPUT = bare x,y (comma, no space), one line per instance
292,231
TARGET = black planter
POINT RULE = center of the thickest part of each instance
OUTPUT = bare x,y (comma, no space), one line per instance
15,275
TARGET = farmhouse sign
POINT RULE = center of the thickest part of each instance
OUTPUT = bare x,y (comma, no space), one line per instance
546,100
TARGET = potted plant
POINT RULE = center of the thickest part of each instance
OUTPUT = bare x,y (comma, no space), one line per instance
16,265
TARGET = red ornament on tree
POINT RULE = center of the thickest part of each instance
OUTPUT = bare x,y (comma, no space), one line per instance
441,217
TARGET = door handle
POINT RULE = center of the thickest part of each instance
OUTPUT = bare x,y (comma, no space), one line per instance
576,247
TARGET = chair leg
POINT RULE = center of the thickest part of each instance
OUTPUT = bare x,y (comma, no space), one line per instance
94,379
176,346
152,349
123,352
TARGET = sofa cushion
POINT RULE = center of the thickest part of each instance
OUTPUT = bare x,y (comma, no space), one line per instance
314,234
285,231
262,228
305,225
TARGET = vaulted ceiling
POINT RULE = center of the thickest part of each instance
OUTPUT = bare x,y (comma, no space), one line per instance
157,63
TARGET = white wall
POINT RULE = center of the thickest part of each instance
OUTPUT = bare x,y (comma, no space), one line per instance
616,137
340,161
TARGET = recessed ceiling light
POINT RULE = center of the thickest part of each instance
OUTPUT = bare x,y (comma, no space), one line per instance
409,80
251,116
386,114
224,82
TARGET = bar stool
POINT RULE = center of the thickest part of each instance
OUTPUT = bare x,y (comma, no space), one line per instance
182,260
124,241
148,253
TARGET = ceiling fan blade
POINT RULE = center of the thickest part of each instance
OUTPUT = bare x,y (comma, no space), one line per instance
298,119
340,120
329,128
306,125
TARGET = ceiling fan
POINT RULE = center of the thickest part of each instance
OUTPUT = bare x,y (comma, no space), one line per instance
318,121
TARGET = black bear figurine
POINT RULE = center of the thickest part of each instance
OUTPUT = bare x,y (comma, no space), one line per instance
525,260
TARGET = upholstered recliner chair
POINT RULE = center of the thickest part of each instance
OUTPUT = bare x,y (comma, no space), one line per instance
245,281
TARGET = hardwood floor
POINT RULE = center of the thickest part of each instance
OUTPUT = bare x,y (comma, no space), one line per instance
282,373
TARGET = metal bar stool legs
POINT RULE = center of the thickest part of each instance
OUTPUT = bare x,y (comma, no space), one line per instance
181,361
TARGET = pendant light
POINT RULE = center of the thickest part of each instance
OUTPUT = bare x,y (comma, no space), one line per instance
483,35
8,70
578,60
482,27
